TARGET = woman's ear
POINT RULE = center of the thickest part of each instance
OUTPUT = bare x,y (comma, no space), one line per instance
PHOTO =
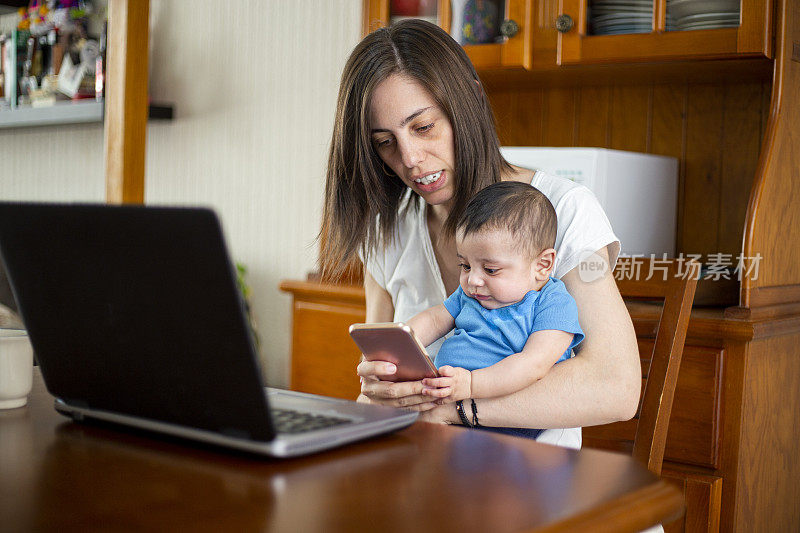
544,263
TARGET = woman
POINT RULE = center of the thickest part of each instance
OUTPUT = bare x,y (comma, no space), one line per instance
413,140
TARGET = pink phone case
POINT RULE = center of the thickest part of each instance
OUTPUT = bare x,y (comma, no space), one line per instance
394,342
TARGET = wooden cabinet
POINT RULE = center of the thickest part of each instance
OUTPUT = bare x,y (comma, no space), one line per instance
725,103
324,358
513,50
558,32
752,38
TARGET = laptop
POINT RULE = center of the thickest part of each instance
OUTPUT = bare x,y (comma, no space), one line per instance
135,318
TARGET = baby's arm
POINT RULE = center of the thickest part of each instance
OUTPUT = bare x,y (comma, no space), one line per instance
515,372
431,324
522,369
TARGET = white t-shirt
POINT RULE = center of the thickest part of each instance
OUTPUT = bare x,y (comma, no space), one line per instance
408,271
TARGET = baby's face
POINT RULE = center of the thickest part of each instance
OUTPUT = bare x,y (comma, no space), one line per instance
493,270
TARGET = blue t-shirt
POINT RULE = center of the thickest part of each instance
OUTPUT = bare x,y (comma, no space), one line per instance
483,337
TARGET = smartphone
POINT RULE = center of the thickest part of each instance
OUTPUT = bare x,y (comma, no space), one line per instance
394,342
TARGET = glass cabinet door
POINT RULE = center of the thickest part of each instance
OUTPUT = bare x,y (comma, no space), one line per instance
598,31
421,9
494,33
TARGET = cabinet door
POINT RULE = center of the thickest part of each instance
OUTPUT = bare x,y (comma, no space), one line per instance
605,31
324,358
494,33
693,436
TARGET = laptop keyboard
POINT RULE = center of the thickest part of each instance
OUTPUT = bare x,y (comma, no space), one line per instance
289,421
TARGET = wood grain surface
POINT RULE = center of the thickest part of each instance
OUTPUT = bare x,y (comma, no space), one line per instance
770,414
62,476
773,215
713,129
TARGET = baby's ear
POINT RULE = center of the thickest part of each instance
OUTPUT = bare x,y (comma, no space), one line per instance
544,263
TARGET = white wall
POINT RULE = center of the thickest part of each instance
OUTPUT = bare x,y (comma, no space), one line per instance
254,84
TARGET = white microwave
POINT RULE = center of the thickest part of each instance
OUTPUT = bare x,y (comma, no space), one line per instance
639,192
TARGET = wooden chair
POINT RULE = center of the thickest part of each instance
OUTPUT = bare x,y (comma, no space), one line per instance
673,282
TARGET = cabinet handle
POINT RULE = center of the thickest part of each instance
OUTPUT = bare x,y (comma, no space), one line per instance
509,28
564,23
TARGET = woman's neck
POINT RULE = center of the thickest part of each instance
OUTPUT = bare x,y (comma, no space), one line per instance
437,214
444,250
518,174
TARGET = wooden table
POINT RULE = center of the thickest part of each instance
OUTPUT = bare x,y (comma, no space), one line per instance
56,475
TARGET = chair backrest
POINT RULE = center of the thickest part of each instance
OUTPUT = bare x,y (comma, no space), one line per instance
673,281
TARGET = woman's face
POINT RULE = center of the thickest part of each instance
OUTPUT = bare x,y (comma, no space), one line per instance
414,137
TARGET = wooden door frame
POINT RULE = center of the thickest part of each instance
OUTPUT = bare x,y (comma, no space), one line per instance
126,100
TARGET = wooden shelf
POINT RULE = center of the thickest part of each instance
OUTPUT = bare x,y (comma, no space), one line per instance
68,113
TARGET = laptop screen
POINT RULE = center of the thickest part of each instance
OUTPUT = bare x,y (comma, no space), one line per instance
135,310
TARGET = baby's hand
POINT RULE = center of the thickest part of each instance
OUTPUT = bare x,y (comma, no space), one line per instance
454,384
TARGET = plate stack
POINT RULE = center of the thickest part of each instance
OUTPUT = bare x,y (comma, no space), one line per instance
703,14
613,17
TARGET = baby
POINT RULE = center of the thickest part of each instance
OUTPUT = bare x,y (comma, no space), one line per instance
512,321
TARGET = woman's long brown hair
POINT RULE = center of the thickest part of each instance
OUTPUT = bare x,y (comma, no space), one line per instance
362,199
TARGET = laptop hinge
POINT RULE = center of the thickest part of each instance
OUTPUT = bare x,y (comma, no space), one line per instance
236,433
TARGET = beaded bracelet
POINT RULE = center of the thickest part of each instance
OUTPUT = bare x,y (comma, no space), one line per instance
474,414
461,414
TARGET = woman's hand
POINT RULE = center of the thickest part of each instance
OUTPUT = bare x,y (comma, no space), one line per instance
405,394
441,414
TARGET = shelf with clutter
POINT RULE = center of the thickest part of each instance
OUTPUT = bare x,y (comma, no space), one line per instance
53,64
69,113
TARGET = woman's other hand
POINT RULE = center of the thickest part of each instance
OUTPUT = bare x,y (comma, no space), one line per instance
441,414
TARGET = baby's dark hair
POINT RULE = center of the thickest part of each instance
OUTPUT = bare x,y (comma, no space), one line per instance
516,207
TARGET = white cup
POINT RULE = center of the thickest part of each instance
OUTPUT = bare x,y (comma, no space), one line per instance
16,368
